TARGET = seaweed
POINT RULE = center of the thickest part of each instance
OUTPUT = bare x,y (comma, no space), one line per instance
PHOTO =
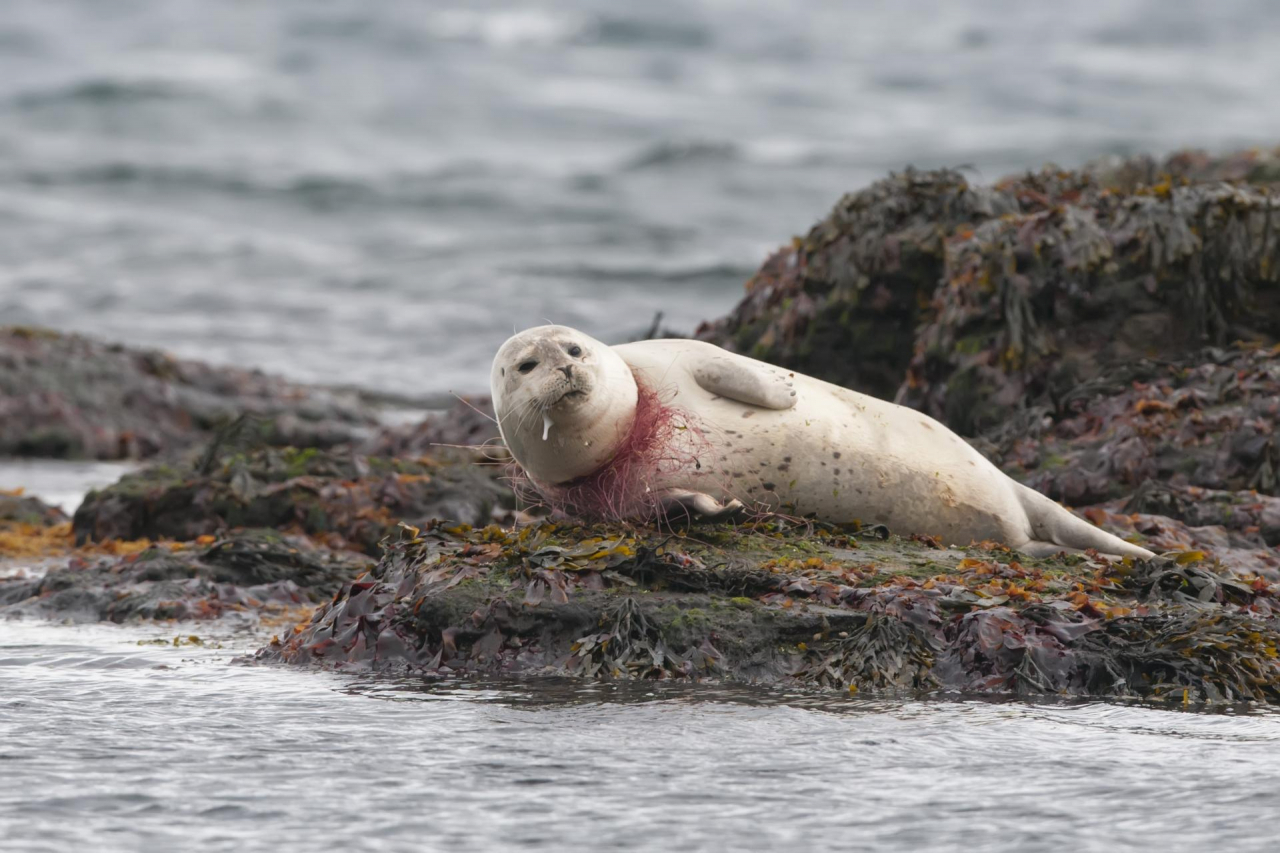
453,599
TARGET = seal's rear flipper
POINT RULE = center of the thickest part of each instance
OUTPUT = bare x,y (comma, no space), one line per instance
697,506
1054,526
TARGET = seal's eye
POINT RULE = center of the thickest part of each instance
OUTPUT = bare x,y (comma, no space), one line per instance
527,366
575,350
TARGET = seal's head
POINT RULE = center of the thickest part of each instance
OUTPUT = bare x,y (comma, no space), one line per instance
565,402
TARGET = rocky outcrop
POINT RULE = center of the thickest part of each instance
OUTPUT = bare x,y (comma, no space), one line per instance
346,500
258,573
815,608
1106,336
967,301
65,396
17,508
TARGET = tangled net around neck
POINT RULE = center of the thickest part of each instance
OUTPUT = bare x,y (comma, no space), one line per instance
663,440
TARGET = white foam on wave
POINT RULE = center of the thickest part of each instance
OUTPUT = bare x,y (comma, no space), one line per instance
505,28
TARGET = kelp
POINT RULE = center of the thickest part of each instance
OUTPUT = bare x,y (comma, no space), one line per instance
825,609
1208,422
967,301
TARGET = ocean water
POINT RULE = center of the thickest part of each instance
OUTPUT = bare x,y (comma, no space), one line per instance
106,744
378,193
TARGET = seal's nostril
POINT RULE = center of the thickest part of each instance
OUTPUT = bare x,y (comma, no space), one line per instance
567,370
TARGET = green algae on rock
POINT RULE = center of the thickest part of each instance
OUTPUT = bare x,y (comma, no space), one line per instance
256,572
345,499
822,608
66,396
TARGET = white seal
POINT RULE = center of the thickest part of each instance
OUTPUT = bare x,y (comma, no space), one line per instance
675,423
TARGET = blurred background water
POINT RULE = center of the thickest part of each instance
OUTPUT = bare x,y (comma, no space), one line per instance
377,193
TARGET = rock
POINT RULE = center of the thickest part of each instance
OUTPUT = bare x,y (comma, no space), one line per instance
967,301
843,302
65,396
1217,533
1247,512
814,608
30,529
469,424
15,508
344,499
257,571
1210,421
1255,166
1034,305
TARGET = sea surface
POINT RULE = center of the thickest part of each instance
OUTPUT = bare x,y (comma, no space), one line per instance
118,739
377,194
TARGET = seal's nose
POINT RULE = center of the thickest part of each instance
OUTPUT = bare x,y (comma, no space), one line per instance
567,370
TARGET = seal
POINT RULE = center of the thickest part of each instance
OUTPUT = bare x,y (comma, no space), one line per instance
667,425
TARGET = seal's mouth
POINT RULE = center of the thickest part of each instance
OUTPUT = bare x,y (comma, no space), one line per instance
570,397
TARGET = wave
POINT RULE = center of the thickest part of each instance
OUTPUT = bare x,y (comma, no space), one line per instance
634,32
104,91
319,191
644,274
674,154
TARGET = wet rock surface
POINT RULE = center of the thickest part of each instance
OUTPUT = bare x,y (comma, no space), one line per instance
1208,420
256,572
69,397
346,500
17,508
819,608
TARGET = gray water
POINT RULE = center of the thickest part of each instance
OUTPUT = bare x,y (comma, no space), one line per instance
376,194
106,745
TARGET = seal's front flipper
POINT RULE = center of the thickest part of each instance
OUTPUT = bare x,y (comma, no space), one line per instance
746,381
697,506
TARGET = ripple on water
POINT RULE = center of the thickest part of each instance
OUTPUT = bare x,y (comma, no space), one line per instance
108,742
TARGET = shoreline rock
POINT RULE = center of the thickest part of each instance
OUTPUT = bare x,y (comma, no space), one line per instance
64,396
965,301
260,573
347,500
822,609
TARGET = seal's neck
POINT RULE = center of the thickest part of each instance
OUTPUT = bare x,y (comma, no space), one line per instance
626,485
